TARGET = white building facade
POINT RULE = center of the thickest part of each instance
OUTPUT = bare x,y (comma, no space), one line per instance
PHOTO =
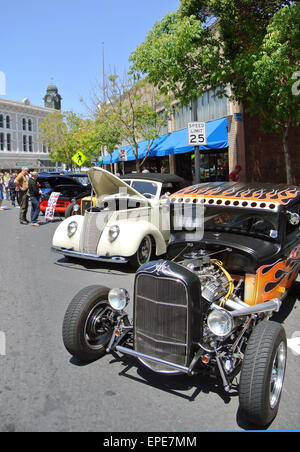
20,143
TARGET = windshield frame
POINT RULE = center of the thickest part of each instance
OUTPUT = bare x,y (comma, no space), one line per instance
257,223
132,182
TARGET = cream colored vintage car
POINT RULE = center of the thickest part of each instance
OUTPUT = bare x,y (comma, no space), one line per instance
129,224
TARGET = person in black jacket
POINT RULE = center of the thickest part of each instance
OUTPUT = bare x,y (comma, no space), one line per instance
12,189
34,193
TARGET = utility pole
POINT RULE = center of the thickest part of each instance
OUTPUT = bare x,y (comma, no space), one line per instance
103,75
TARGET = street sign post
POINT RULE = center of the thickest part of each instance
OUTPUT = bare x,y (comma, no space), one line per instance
123,155
197,137
123,158
79,158
197,133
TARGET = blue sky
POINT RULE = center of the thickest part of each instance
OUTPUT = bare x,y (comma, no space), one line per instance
60,41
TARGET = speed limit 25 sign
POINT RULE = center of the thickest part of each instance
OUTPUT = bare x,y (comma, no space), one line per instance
197,133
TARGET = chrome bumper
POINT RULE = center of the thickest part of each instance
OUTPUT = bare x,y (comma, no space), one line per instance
129,351
95,257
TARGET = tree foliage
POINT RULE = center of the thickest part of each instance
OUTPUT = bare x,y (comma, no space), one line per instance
60,132
131,113
252,46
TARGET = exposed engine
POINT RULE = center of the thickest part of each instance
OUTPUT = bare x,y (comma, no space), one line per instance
217,285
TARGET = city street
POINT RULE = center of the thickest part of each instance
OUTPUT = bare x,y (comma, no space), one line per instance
43,389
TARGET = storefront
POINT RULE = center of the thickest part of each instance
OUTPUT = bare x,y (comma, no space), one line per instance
171,152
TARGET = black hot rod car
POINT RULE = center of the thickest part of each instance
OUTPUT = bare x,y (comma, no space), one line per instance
233,256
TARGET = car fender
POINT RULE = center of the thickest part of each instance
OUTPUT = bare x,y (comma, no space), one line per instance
129,239
61,238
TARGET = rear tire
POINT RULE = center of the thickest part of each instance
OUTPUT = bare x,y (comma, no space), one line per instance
86,328
262,373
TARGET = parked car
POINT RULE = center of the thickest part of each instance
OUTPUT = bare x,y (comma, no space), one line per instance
49,182
169,184
79,206
127,223
70,193
83,178
234,255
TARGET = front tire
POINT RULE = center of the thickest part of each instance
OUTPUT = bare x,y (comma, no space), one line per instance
87,326
69,210
262,373
143,254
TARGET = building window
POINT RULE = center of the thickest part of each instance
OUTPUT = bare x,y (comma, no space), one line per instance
44,148
30,143
7,122
182,116
1,141
8,142
29,125
24,143
210,107
1,120
24,123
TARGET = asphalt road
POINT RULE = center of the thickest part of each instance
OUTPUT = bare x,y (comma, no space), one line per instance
43,389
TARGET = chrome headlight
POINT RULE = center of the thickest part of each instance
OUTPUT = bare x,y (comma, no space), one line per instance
76,207
113,232
220,322
72,228
118,298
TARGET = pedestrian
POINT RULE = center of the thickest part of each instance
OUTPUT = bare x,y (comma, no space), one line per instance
6,178
34,194
1,190
12,189
234,176
21,182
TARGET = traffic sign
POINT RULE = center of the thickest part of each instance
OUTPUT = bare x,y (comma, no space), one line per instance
197,133
122,155
79,158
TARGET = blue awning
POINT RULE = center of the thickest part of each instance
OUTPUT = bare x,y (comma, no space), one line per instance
177,143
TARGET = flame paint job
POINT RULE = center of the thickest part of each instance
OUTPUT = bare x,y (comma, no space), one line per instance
271,281
282,195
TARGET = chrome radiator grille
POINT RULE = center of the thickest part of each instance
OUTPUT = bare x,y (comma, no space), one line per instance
90,234
161,320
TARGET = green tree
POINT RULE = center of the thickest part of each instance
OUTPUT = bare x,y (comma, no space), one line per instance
131,114
94,136
60,132
186,54
271,93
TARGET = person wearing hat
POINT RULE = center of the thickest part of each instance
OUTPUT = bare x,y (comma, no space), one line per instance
234,176
21,182
1,190
34,193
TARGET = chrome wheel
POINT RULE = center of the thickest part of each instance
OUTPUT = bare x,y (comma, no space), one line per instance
98,328
145,250
277,375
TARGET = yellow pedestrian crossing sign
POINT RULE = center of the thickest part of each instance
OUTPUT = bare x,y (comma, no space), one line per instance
79,158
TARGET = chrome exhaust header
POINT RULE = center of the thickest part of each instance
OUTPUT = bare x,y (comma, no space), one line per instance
267,306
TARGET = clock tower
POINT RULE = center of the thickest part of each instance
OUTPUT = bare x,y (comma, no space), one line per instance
52,99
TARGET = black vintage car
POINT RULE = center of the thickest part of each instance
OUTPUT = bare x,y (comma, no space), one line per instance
233,256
